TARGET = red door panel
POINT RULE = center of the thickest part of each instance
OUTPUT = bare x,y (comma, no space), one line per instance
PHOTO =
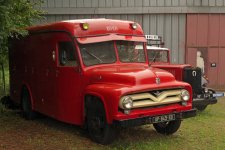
68,82
192,29
222,30
213,71
191,56
221,68
214,29
202,30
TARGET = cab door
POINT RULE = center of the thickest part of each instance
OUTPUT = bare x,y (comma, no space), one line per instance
68,78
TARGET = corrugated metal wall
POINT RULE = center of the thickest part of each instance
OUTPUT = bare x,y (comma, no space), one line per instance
172,28
163,17
129,3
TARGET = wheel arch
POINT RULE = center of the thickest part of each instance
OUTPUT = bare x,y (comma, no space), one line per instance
96,96
25,86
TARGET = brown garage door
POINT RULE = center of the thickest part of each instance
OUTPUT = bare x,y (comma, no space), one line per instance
206,34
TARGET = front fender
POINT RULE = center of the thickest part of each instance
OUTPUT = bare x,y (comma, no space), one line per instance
109,95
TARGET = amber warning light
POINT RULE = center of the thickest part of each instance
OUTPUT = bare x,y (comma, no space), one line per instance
84,26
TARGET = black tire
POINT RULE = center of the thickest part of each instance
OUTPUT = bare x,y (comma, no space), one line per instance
167,128
99,130
201,107
27,111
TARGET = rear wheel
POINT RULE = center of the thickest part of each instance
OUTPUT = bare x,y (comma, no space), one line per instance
100,131
167,128
28,113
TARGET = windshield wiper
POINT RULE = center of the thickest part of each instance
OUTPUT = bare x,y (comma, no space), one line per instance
92,55
153,60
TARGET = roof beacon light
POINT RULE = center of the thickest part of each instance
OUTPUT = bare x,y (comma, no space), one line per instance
85,26
134,26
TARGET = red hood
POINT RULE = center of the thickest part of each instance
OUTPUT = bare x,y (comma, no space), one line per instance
128,75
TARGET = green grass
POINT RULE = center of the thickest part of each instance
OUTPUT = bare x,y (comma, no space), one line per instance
205,131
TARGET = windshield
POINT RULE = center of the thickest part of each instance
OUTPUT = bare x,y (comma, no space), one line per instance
158,56
105,53
98,53
128,51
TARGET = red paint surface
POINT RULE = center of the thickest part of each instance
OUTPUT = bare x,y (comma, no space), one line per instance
59,91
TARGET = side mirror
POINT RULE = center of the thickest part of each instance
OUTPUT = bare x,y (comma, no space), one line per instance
63,57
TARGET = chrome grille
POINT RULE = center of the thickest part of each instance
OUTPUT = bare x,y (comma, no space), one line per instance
156,98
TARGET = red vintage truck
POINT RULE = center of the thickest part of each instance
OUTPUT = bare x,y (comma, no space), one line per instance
159,57
89,73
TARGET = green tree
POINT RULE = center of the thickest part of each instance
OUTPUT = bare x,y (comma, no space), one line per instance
15,15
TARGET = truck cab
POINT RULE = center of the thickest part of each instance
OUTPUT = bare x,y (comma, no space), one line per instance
89,72
159,57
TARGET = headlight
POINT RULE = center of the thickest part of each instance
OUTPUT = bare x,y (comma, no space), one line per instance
185,95
126,102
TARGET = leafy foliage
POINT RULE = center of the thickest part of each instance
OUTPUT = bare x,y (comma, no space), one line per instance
15,15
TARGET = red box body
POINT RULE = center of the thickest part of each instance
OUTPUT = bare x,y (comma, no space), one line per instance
60,91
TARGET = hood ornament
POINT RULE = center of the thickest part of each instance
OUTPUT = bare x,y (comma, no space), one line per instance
157,93
157,80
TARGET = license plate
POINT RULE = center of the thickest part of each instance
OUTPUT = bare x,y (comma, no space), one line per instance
163,118
218,94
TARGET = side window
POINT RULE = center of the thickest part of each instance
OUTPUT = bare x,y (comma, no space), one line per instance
66,54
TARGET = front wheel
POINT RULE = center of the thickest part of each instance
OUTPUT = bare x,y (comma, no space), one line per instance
27,111
201,107
167,128
100,131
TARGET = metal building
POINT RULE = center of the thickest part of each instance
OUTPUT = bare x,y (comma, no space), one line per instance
187,26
